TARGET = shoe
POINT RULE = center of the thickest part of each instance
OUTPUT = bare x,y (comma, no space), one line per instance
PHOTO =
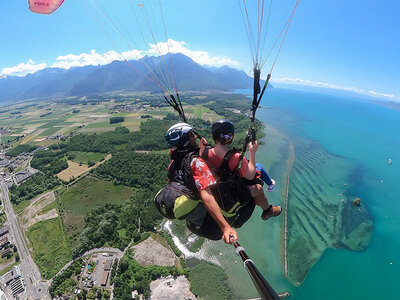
272,211
271,186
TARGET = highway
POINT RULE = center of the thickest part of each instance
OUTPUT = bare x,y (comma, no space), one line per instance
36,288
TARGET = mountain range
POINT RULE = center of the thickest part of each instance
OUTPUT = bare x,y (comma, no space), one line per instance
122,76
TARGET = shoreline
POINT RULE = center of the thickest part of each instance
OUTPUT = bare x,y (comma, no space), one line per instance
291,158
284,195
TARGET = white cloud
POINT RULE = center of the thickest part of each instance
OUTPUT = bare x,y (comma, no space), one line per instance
201,57
23,68
94,58
332,86
381,94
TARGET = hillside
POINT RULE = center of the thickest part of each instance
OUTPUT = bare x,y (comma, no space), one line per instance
118,76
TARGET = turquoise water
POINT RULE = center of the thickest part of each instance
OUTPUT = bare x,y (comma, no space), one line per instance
351,139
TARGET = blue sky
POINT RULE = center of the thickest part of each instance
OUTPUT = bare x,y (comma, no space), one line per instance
345,44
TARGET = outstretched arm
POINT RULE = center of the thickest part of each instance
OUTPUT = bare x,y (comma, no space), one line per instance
214,210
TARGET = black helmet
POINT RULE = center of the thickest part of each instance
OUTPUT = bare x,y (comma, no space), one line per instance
223,131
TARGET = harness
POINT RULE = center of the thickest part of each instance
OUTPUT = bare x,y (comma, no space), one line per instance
180,197
231,191
180,170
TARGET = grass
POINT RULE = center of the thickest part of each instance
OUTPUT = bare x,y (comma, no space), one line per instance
85,157
103,125
21,206
50,246
50,131
48,208
5,270
4,260
3,218
8,138
196,246
209,281
86,194
52,123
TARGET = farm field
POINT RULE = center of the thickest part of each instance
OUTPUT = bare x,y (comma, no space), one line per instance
76,169
41,122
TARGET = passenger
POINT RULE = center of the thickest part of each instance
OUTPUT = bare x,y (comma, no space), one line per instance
225,163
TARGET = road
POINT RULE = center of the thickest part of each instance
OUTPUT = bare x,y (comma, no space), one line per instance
36,288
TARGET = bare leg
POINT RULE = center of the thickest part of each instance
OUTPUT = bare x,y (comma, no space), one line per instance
259,196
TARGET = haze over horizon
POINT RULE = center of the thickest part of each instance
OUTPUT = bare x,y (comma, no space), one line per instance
319,50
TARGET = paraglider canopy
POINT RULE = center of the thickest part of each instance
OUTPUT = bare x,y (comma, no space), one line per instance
44,6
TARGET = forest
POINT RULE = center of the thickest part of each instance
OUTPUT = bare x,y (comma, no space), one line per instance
36,185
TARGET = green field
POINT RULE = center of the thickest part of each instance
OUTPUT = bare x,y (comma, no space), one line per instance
86,194
53,123
209,281
8,138
85,157
48,208
50,131
50,247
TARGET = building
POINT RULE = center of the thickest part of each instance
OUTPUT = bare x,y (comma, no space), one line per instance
23,175
104,278
108,264
3,242
17,286
3,230
4,252
4,163
17,272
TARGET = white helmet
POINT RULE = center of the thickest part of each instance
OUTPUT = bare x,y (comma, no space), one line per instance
178,135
